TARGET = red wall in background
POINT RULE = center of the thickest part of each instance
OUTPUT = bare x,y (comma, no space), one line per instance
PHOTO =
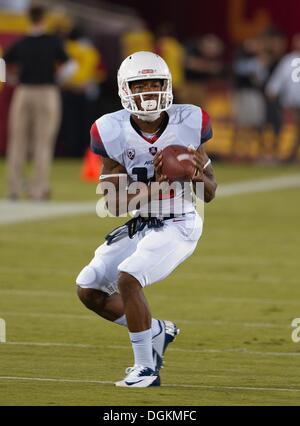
232,20
198,17
5,95
5,98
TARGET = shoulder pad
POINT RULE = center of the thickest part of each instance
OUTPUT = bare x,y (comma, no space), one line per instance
190,115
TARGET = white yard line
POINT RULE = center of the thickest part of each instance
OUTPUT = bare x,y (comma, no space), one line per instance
54,344
49,315
35,293
242,351
259,185
24,211
61,293
263,325
106,382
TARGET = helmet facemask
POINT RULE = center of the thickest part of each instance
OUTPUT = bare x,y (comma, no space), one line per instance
150,109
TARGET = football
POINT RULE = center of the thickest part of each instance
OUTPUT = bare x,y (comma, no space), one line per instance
177,163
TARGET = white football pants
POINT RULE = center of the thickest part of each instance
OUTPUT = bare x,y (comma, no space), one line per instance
150,256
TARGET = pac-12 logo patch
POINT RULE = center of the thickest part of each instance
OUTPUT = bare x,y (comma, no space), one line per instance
131,153
153,150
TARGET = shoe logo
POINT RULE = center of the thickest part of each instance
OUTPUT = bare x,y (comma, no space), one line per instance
133,383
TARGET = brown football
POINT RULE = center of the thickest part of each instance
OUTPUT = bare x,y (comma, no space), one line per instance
177,163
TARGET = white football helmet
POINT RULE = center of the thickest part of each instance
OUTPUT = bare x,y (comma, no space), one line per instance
145,66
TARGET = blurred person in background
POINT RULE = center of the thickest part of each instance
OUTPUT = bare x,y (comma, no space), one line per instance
249,73
203,64
284,84
35,109
138,38
275,46
172,51
80,92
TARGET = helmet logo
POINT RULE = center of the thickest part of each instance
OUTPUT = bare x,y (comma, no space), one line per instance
131,154
147,71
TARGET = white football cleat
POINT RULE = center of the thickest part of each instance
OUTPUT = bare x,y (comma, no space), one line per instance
140,377
160,342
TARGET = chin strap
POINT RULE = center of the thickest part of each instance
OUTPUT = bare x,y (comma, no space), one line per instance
149,117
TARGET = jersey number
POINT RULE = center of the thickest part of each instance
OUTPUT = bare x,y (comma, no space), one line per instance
142,175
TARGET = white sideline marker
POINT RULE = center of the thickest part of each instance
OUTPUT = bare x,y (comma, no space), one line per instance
2,331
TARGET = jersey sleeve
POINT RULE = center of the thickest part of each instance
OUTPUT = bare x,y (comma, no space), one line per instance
107,138
206,129
97,145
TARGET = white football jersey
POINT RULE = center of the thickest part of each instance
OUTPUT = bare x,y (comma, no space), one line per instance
115,136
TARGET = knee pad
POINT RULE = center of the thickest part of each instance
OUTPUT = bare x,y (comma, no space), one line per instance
87,277
91,275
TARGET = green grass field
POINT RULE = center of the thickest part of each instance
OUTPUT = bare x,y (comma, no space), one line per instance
234,301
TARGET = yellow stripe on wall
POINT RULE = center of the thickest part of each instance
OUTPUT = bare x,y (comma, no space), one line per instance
18,23
13,23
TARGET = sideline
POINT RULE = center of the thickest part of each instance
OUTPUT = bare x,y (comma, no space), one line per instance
24,211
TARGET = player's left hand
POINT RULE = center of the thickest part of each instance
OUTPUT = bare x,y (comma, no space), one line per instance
199,165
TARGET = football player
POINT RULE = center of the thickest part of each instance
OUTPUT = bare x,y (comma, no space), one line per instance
146,249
